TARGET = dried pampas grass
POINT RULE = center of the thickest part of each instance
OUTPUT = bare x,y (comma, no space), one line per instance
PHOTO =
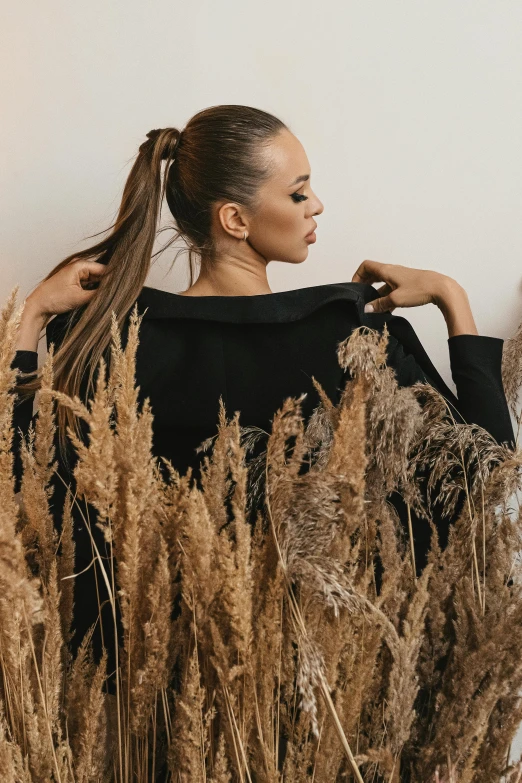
271,622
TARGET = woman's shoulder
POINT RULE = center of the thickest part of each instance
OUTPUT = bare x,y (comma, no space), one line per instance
275,307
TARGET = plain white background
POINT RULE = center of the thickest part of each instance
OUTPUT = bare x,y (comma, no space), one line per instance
410,113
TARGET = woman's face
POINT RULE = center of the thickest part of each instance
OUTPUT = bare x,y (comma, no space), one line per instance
277,229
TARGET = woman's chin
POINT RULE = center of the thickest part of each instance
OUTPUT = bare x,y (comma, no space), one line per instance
294,258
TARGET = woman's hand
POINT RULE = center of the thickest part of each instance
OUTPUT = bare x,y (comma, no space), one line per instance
69,288
403,286
407,287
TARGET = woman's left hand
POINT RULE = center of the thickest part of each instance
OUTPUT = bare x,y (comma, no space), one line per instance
404,286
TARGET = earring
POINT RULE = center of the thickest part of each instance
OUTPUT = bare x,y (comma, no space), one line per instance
244,236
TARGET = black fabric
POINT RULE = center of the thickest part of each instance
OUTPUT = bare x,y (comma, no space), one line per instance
255,351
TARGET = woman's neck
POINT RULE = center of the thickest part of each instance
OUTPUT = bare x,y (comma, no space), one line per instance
230,282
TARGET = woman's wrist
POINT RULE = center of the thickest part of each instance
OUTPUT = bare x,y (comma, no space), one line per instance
452,300
32,322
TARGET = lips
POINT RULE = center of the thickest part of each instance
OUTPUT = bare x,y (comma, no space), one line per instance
310,232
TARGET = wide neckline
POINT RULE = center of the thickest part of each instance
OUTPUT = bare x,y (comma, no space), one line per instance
274,307
222,296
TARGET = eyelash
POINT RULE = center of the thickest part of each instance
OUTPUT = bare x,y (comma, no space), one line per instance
299,197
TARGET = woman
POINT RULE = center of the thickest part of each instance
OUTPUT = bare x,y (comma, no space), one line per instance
238,184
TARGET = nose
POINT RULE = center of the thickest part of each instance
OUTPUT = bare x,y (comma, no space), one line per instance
320,208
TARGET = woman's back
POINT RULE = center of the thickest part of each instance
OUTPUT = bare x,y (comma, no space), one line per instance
252,351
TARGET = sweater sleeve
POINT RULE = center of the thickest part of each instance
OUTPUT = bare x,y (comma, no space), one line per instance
476,369
25,361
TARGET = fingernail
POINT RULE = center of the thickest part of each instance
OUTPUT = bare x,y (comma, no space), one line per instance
368,308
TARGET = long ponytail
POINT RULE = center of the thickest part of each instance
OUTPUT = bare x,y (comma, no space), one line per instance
127,254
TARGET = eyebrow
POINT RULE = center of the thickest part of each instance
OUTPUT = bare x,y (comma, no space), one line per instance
302,178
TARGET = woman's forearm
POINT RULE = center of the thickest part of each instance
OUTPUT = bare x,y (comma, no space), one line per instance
454,304
31,325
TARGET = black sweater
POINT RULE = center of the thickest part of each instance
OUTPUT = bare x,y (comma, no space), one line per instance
255,351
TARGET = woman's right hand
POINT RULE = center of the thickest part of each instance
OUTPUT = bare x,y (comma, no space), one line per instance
65,290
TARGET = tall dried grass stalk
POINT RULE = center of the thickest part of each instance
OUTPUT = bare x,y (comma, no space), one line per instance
273,623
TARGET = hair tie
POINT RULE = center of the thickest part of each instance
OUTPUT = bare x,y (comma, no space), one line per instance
169,150
176,143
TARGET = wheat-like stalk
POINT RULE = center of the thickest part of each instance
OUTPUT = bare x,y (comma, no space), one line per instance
270,621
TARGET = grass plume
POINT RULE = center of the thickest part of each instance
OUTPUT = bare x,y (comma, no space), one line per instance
269,621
